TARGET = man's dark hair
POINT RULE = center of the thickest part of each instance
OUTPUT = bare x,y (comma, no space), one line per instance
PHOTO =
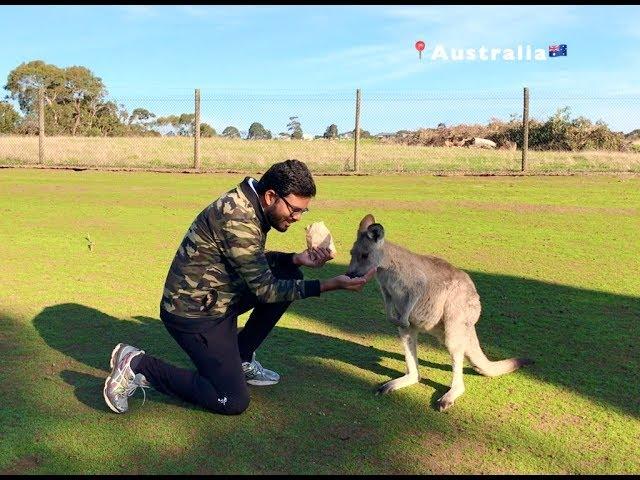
290,176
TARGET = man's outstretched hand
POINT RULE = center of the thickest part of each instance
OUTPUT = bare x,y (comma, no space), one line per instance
343,282
313,258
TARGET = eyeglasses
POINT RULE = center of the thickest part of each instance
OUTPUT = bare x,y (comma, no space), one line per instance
293,210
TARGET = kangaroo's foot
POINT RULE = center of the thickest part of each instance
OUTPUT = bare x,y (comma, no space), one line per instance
448,399
397,383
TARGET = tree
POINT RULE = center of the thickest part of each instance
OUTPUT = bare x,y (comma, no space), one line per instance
186,124
108,121
183,124
85,93
140,115
207,130
258,132
294,127
73,96
231,132
24,81
139,122
331,131
9,118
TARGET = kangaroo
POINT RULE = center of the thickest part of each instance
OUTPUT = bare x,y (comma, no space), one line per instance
423,293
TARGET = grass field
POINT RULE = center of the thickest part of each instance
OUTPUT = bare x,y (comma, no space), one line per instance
555,260
322,156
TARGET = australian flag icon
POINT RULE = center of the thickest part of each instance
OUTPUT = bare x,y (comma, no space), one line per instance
557,50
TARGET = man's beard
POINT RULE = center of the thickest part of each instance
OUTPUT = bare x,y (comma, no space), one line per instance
275,221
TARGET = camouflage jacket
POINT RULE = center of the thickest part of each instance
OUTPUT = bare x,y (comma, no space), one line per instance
221,260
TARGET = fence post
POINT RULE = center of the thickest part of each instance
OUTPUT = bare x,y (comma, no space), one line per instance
196,133
525,129
41,125
356,132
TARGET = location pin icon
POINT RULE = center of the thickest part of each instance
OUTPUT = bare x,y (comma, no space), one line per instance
420,47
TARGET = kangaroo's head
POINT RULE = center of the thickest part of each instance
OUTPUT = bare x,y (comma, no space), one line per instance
367,249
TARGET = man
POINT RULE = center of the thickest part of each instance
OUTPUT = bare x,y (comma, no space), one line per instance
220,271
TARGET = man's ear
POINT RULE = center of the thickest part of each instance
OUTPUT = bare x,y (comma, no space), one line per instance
270,197
375,232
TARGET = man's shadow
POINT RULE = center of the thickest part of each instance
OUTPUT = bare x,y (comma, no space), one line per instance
89,336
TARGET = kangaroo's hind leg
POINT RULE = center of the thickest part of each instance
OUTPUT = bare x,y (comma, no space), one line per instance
460,314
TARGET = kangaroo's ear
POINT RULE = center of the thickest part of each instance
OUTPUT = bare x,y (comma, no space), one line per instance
375,232
365,222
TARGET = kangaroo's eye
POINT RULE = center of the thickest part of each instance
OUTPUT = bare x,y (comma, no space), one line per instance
365,256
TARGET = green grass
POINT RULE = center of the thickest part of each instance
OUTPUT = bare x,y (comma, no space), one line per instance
555,260
221,154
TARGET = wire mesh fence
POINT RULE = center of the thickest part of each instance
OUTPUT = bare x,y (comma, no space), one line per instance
396,132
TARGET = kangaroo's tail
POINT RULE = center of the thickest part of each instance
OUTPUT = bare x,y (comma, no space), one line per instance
486,367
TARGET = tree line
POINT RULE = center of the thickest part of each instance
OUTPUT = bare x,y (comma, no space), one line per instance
76,104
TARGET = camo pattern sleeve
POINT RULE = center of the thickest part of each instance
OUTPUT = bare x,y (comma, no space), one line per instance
242,244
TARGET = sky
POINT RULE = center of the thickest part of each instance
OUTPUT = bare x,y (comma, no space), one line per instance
268,63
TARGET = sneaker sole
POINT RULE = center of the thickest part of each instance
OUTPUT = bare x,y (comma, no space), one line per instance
262,383
106,382
106,398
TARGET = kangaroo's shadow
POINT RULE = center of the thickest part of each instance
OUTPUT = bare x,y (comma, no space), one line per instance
585,340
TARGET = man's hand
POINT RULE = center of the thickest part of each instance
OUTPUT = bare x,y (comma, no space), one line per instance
313,258
343,282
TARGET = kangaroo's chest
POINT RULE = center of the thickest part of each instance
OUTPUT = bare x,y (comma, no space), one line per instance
394,287
390,281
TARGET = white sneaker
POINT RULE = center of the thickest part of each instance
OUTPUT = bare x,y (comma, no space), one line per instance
256,374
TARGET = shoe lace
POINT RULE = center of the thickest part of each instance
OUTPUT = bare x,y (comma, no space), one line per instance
129,387
257,367
253,368
144,395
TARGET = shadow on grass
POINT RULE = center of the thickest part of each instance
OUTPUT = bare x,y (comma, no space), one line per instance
98,333
584,340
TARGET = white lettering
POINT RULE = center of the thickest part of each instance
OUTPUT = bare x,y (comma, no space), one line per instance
508,54
540,54
439,52
457,54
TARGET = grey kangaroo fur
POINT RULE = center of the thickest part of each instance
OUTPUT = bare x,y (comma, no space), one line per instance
428,294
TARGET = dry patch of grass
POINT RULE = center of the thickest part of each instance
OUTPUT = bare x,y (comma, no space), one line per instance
328,156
